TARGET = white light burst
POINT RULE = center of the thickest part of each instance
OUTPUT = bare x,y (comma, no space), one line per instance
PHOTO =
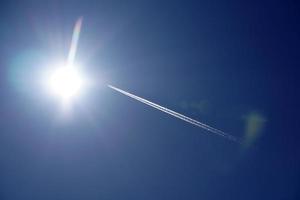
65,82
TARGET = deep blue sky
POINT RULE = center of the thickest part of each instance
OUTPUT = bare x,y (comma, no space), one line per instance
216,61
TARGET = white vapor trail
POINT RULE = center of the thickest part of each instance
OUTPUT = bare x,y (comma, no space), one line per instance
178,115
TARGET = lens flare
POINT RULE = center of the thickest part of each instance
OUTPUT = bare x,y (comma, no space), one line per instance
74,43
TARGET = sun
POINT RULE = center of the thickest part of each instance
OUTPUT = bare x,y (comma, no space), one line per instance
65,82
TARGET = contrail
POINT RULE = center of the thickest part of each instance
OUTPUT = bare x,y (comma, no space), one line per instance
178,115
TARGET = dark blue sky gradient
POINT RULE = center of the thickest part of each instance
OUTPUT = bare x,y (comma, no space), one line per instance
216,61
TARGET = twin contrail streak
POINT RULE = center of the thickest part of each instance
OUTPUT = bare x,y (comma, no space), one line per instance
177,115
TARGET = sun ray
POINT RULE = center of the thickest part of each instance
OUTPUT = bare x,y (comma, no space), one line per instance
74,42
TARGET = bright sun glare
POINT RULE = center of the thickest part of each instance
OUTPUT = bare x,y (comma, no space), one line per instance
65,82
